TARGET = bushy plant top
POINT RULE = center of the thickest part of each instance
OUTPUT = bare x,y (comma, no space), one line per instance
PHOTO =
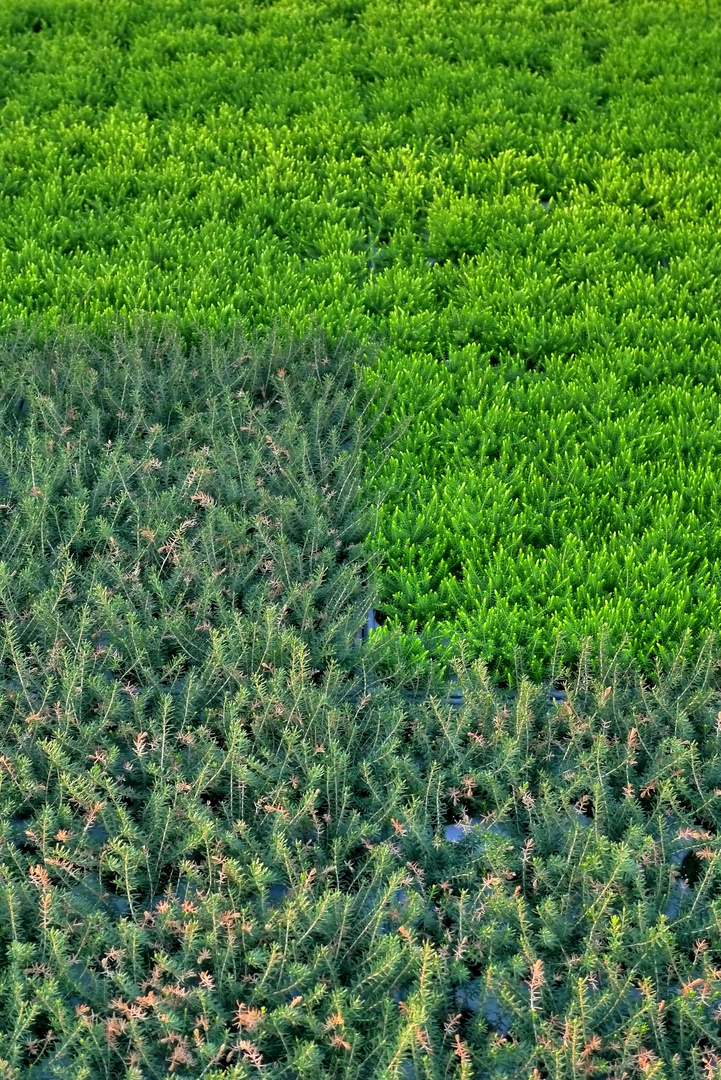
232,842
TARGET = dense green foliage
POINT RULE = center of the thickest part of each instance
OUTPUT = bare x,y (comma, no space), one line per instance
233,840
237,837
521,196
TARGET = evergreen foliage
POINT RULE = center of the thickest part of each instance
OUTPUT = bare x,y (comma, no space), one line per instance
238,837
236,842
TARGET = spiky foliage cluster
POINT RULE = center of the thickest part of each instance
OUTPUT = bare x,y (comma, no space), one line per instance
234,841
